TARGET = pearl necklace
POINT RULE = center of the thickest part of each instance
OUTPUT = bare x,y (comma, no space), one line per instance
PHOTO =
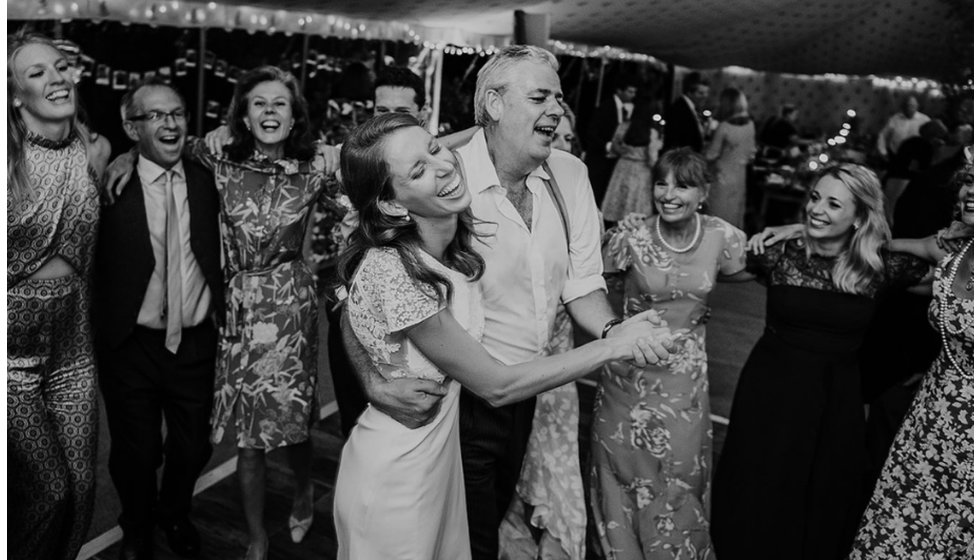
944,306
689,246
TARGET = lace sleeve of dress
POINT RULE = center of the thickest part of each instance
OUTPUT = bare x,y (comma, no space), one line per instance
903,270
197,149
762,265
403,300
616,256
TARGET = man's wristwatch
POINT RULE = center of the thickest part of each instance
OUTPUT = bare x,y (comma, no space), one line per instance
612,323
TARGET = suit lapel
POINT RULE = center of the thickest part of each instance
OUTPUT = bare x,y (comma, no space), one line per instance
131,207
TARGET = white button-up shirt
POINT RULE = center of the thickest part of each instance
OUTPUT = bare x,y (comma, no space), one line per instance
529,271
197,296
898,129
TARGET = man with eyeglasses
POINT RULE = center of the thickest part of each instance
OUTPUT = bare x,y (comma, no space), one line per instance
158,284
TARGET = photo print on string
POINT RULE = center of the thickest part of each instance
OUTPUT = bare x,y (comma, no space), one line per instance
120,80
102,77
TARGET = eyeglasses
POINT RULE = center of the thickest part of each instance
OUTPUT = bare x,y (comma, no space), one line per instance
159,116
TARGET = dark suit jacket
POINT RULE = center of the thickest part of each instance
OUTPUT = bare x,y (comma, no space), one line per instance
683,128
601,128
124,257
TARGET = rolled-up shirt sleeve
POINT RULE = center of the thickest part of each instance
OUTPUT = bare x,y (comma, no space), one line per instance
585,255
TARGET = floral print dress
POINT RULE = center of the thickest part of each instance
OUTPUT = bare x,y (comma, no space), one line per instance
651,436
923,504
265,379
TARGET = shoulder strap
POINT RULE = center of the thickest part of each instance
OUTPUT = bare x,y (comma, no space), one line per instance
552,185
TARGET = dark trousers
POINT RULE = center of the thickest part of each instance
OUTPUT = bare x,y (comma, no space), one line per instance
493,442
143,383
351,400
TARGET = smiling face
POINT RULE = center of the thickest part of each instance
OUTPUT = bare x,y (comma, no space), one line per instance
161,142
563,136
675,203
269,115
424,175
966,202
45,93
391,99
831,211
528,110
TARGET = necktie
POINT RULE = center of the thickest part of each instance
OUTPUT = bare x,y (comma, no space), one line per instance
175,297
626,115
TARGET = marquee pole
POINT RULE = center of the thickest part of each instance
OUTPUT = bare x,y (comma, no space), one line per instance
202,46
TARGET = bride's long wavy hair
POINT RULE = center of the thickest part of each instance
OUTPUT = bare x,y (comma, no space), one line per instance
367,182
861,263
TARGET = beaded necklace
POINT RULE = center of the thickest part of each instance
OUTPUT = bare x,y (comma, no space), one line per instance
689,246
944,306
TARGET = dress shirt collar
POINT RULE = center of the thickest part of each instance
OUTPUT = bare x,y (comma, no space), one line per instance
620,105
482,175
150,172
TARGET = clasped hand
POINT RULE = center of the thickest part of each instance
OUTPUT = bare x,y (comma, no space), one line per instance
651,337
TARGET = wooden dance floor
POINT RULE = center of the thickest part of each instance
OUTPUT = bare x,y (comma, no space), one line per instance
736,323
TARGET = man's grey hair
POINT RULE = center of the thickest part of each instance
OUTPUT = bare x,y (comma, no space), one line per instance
127,105
493,75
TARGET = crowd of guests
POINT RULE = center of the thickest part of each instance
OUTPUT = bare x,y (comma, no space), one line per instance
461,264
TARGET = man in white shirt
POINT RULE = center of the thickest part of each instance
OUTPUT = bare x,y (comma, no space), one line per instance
532,264
900,127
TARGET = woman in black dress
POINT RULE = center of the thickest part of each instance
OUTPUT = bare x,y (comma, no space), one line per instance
789,480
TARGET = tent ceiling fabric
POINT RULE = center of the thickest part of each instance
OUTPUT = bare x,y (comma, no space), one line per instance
902,37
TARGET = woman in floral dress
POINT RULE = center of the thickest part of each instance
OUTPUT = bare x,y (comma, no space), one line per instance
651,436
923,503
265,387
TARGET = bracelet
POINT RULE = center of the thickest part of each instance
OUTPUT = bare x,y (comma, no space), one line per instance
612,323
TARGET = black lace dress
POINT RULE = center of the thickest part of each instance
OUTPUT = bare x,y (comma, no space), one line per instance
789,481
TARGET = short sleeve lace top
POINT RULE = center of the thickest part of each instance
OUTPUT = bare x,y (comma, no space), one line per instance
384,301
787,264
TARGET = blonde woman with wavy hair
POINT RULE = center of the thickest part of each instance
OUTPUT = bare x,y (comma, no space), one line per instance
52,219
789,482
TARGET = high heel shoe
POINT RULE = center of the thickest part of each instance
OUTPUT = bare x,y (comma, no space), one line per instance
299,527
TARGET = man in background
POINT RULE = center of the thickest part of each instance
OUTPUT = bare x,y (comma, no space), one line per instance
683,127
900,127
599,155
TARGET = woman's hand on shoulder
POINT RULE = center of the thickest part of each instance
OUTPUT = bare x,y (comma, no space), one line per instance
217,139
98,154
327,159
771,235
117,174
